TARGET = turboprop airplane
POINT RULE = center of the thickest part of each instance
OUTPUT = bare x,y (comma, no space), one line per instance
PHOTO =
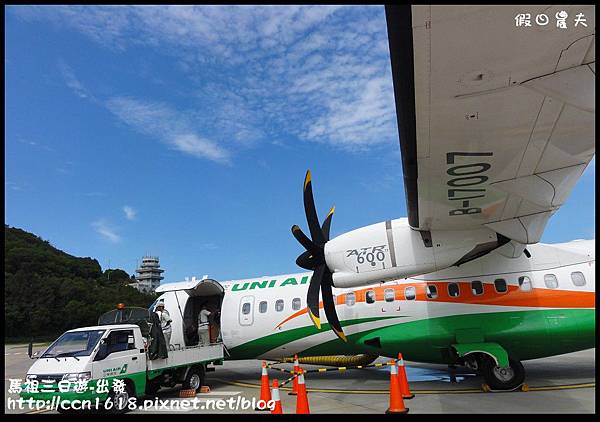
496,125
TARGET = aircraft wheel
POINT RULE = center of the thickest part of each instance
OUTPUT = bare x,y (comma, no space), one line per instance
499,378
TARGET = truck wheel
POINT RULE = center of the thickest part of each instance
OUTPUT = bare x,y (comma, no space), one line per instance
119,402
152,387
194,379
499,378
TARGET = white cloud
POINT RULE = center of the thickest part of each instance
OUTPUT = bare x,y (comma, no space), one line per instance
316,73
103,228
130,213
72,81
173,128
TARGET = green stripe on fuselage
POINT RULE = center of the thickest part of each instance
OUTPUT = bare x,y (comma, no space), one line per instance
255,348
525,335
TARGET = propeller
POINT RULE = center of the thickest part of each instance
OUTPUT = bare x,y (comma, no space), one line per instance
314,259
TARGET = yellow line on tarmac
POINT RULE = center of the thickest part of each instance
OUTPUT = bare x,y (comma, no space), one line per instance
460,391
563,387
37,411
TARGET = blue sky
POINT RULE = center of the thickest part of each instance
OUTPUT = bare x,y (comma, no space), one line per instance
186,132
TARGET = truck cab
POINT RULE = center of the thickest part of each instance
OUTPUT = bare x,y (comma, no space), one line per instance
82,364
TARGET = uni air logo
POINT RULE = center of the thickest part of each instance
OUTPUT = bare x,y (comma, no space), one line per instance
115,371
267,284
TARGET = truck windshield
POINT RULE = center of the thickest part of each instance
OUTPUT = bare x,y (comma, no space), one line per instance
74,343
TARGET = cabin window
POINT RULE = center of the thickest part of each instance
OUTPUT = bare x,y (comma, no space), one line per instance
550,281
262,307
246,308
525,283
410,293
500,285
477,287
279,305
578,278
350,299
370,296
389,295
432,291
453,290
296,303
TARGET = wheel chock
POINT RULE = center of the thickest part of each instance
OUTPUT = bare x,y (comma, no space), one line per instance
486,388
525,387
187,393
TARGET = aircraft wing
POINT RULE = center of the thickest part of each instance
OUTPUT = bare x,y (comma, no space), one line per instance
496,121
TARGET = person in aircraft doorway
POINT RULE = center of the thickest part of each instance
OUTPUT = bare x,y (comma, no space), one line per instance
203,325
165,320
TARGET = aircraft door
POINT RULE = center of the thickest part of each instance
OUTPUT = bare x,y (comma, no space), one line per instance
246,311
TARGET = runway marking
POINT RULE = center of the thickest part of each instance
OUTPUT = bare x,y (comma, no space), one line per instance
460,391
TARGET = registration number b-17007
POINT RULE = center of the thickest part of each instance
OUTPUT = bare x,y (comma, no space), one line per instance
466,180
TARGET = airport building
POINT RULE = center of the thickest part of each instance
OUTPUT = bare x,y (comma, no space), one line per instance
148,275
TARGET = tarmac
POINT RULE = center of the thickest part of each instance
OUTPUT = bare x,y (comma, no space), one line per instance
559,384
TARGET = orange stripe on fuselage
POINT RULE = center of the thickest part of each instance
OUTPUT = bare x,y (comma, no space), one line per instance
536,298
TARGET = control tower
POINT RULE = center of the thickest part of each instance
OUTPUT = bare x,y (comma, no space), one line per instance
148,275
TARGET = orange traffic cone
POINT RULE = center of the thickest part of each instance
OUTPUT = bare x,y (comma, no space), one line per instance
406,394
265,391
396,402
302,398
295,383
275,394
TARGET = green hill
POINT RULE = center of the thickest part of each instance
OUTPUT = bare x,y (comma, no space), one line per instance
48,291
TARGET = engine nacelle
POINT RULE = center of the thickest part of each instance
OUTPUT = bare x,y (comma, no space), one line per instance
392,250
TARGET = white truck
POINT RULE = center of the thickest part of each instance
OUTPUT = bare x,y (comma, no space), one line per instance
83,363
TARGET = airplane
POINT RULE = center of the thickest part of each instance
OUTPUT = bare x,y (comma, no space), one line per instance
496,126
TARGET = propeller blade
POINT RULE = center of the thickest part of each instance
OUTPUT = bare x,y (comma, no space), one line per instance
329,306
302,238
306,260
327,224
312,298
311,213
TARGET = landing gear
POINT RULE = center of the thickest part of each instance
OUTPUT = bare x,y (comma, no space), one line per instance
499,378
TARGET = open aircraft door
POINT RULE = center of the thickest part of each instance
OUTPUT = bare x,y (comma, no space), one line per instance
187,298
